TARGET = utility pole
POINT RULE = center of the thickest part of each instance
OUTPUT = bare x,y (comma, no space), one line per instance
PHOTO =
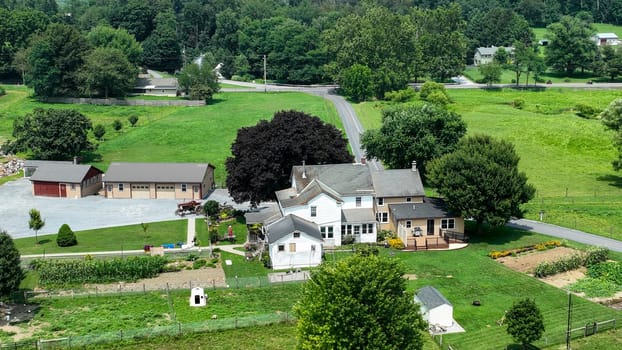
569,321
265,87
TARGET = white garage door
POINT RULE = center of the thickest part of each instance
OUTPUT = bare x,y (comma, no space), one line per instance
140,191
165,191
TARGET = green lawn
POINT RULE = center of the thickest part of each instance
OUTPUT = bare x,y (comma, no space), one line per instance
567,158
174,134
509,77
600,28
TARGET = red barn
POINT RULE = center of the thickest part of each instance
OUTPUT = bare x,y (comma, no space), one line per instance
66,180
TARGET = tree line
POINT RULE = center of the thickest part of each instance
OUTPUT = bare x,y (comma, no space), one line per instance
374,46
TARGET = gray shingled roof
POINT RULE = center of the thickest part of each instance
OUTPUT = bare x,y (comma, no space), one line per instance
70,173
288,197
345,179
151,83
290,223
156,172
397,183
358,215
266,214
606,36
430,208
38,163
431,297
490,51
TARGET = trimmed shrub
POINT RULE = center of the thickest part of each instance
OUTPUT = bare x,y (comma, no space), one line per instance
133,119
382,235
2,91
66,237
429,87
366,249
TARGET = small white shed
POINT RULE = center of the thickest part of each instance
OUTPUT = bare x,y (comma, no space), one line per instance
198,297
435,308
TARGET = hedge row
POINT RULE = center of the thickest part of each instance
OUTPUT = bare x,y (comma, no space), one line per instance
71,272
588,258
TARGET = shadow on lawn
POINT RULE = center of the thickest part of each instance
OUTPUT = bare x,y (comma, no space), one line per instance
612,180
495,235
520,347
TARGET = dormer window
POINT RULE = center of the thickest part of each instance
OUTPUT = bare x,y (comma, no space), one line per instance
313,211
296,234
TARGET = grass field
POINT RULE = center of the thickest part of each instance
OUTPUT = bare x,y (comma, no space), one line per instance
174,134
509,77
567,158
600,28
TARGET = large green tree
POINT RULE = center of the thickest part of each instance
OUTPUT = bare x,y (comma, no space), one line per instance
570,46
51,134
106,36
440,33
16,27
480,179
358,303
263,155
193,76
383,41
525,322
162,50
357,82
107,72
414,133
612,119
54,60
11,273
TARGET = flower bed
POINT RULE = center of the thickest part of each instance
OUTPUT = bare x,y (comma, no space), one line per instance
496,254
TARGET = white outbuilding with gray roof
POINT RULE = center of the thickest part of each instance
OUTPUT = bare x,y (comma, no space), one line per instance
435,308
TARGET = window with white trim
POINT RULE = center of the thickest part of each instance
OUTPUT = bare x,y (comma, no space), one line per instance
281,247
313,211
409,224
382,217
120,187
357,229
367,228
380,201
296,234
448,223
327,232
358,201
184,187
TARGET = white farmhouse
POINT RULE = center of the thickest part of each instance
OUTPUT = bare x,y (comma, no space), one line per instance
294,243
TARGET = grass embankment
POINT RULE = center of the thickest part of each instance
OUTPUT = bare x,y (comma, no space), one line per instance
567,158
174,134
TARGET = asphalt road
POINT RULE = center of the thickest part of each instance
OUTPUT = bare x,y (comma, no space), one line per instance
566,233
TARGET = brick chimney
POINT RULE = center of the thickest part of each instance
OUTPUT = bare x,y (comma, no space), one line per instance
363,160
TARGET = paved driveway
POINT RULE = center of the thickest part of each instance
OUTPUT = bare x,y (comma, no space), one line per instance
91,212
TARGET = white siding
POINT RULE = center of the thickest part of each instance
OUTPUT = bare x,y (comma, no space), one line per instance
441,315
304,256
328,211
367,201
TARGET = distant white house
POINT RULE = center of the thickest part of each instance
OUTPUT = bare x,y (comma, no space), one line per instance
156,86
606,39
294,242
485,55
435,308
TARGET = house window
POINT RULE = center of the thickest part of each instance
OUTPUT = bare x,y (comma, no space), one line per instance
296,234
382,217
184,187
409,199
346,229
380,201
327,231
195,189
368,228
448,223
409,224
358,201
313,247
120,187
313,212
357,229
292,247
73,187
281,247
109,187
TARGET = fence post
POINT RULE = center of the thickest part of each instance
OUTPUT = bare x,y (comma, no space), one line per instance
179,324
237,285
121,335
213,284
144,289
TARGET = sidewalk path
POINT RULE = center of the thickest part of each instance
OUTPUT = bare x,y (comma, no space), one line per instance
230,248
566,233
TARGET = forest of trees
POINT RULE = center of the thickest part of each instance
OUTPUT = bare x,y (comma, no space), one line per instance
305,41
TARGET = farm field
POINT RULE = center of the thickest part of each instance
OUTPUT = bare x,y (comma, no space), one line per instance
174,134
600,28
509,77
567,158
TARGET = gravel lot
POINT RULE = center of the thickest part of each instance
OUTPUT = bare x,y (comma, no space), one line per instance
91,212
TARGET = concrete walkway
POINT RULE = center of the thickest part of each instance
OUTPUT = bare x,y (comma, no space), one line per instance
192,231
230,248
566,233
